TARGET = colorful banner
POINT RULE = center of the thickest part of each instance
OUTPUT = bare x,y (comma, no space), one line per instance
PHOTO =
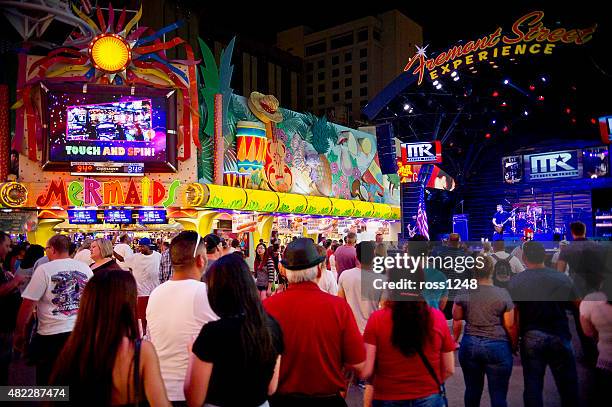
512,169
321,225
18,222
244,222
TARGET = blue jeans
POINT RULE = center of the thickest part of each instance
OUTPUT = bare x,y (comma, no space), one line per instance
539,349
435,400
479,356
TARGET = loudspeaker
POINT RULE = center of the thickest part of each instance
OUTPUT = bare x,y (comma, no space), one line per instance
385,145
460,225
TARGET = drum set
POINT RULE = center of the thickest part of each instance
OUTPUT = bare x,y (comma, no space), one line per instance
529,219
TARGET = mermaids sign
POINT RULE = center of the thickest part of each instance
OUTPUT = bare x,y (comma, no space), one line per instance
91,192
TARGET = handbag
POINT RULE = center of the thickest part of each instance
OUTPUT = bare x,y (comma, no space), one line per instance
433,374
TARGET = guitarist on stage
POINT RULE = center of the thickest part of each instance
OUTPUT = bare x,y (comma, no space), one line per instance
499,220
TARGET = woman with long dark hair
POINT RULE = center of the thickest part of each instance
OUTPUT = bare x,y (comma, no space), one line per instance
260,270
272,267
26,267
104,361
236,359
409,347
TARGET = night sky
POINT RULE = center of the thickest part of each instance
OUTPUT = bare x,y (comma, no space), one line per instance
443,22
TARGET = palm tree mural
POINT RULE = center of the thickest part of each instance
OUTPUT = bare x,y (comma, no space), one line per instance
214,81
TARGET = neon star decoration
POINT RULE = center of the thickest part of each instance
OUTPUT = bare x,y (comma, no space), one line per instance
421,50
118,54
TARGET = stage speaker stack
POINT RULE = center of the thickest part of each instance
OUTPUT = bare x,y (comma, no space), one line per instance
385,144
460,225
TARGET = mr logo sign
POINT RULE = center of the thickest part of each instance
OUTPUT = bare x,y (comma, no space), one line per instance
558,164
421,153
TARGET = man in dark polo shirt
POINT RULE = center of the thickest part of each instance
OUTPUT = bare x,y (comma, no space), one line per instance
542,297
585,260
319,331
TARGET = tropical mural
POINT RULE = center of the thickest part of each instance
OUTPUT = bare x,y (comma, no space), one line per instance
270,148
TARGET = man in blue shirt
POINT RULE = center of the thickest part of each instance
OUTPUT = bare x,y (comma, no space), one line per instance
498,221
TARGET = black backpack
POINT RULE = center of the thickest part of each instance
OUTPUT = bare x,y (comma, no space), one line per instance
502,271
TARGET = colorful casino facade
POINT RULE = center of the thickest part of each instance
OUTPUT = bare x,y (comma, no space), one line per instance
112,136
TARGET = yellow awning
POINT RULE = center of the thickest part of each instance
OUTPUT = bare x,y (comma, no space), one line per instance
222,197
318,205
261,201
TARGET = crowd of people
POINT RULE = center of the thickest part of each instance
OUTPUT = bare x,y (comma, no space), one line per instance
196,325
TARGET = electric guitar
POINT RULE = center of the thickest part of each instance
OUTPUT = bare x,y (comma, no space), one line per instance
500,228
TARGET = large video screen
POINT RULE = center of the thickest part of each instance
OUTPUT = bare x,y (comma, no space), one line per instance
595,162
118,121
110,124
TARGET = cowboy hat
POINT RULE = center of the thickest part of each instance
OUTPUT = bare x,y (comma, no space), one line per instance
265,107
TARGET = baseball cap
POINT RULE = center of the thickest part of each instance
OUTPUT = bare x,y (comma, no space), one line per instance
145,241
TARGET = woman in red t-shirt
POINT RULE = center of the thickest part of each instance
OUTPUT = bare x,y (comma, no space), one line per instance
397,339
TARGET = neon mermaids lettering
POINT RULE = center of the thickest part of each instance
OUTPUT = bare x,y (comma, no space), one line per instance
91,192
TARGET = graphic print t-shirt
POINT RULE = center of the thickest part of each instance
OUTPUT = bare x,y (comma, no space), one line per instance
57,286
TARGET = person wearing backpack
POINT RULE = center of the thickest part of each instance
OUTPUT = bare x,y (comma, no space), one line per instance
505,265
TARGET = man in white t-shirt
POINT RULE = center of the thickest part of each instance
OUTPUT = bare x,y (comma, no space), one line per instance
55,290
144,266
123,249
178,309
499,252
363,304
